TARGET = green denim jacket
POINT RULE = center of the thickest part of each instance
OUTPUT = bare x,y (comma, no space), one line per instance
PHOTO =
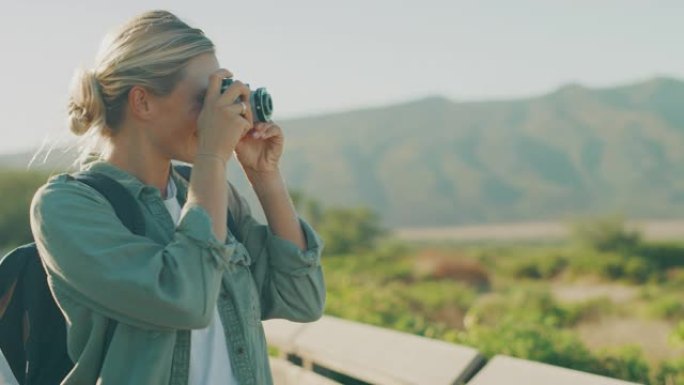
159,287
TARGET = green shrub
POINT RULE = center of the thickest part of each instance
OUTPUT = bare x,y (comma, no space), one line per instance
536,266
346,230
529,340
522,305
548,344
638,269
671,372
606,233
664,255
613,266
626,363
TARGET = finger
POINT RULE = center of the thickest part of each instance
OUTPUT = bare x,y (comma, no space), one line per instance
271,131
238,91
214,87
236,108
258,130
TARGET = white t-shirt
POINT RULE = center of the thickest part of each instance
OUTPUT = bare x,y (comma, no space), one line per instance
209,361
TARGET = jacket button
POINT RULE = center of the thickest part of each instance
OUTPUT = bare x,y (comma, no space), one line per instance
240,350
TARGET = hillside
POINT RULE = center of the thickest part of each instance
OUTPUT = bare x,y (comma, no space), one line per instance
435,162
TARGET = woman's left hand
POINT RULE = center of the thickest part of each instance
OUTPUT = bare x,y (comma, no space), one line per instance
260,149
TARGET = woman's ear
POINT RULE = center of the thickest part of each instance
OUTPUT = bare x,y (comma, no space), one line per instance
140,103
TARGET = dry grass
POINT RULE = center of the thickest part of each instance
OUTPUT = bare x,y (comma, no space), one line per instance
438,265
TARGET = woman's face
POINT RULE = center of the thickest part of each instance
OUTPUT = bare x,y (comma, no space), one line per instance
174,131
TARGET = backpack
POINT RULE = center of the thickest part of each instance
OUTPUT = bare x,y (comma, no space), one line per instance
32,328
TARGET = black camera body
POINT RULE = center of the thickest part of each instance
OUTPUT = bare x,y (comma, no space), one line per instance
260,102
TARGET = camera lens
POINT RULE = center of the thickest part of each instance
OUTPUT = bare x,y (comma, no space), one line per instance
262,105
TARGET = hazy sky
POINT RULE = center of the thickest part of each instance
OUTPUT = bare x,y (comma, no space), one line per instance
322,56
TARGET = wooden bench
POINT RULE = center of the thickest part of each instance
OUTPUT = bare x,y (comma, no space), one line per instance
372,354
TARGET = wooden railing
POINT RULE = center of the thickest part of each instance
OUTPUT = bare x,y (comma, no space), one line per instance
332,351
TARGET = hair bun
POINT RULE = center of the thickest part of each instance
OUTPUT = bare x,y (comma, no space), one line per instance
86,107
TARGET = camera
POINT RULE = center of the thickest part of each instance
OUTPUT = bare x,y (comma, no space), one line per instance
259,101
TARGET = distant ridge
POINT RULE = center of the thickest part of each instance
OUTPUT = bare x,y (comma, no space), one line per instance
437,162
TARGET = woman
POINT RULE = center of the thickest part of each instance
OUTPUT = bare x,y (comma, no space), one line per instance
187,299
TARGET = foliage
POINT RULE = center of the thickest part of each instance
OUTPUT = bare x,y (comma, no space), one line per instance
671,372
539,265
521,305
626,363
543,342
607,233
529,340
521,322
664,255
17,189
532,325
524,320
344,230
612,265
382,291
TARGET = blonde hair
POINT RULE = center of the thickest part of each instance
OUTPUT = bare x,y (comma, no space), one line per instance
151,50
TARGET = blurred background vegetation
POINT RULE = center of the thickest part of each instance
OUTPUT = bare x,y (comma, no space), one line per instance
604,301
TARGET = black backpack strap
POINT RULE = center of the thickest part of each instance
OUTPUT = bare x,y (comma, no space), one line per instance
125,205
185,172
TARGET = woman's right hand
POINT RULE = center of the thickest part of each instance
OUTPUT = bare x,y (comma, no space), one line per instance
220,124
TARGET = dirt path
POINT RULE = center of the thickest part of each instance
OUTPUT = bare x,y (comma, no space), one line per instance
651,335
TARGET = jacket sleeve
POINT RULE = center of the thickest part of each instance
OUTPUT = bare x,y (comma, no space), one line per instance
91,257
289,280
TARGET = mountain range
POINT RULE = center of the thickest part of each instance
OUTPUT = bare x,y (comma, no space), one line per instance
437,162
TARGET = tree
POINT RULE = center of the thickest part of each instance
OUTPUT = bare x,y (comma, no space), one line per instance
346,230
343,229
607,233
